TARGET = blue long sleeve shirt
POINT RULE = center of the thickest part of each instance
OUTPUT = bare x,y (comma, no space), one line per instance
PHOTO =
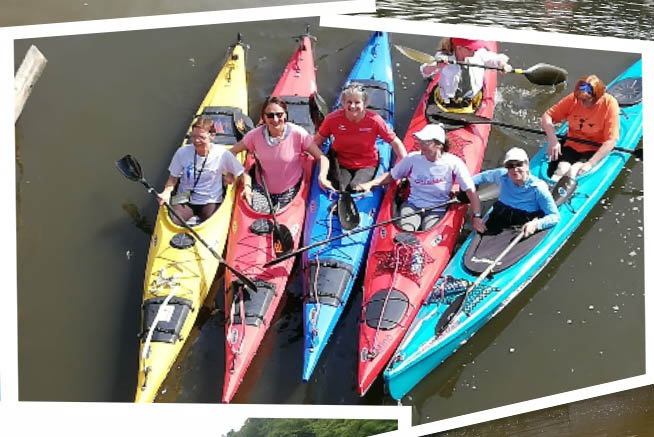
533,196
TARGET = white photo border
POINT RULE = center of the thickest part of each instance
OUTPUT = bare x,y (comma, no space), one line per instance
646,49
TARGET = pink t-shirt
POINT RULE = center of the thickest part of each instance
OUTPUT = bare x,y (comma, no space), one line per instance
282,166
354,143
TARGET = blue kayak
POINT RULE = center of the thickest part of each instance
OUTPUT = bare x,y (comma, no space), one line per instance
329,271
427,343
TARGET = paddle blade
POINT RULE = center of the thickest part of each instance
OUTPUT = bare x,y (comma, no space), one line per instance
449,314
416,55
130,168
282,241
545,74
348,213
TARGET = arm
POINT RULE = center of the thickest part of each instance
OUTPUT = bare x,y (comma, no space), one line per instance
548,206
169,186
382,179
475,204
237,148
398,148
429,69
611,131
553,147
605,148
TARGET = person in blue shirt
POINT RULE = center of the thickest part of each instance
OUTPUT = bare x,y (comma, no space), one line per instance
525,200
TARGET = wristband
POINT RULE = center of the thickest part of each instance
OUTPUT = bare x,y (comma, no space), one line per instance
477,215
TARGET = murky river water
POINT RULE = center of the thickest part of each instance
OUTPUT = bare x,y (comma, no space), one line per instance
40,12
80,269
622,19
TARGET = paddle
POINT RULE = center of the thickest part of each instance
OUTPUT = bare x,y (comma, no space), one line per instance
282,238
539,74
348,213
484,195
131,169
466,119
457,305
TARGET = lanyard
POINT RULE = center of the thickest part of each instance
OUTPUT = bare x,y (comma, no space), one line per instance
197,178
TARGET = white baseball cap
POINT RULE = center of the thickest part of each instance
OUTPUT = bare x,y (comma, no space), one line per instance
516,154
431,132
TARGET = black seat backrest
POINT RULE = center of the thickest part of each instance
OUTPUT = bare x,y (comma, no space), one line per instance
379,97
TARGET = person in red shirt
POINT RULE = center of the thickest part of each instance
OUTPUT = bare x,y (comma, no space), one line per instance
354,130
592,115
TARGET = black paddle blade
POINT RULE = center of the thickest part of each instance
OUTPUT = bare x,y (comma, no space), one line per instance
130,168
449,314
282,241
564,189
348,213
545,74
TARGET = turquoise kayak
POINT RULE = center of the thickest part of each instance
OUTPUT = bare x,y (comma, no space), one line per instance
329,271
422,349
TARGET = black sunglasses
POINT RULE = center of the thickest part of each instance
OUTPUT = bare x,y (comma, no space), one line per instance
513,164
272,115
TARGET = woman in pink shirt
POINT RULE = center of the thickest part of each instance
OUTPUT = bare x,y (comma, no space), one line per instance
354,130
279,145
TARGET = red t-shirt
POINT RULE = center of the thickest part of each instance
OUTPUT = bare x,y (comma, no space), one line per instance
354,143
599,123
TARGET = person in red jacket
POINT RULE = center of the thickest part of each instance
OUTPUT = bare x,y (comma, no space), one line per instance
354,130
592,115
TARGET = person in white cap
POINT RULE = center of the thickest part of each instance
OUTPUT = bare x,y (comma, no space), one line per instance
431,174
525,200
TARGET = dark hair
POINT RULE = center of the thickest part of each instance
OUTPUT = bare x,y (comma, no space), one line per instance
595,82
276,100
205,123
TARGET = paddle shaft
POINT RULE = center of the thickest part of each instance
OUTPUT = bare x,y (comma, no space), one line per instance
528,129
265,189
448,316
248,283
357,230
418,56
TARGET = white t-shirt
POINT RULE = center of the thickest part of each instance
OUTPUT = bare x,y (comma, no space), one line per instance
431,182
207,170
450,77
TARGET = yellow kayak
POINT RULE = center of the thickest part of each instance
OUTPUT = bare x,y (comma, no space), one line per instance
180,270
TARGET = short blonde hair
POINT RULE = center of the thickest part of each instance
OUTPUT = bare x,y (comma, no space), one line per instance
445,46
355,88
205,123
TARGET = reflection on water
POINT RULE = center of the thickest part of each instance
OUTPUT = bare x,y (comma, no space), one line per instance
629,413
624,19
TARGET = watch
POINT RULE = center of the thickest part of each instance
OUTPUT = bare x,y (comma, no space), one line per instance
477,215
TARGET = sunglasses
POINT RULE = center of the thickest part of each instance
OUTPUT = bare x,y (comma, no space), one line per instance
513,164
272,115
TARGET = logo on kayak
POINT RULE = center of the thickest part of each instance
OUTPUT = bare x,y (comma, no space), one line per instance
295,229
155,241
372,212
382,232
474,259
312,206
234,226
436,241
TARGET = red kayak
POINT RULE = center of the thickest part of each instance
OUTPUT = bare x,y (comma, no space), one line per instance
404,266
250,243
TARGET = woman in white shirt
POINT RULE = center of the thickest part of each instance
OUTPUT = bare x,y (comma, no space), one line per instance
431,174
459,86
